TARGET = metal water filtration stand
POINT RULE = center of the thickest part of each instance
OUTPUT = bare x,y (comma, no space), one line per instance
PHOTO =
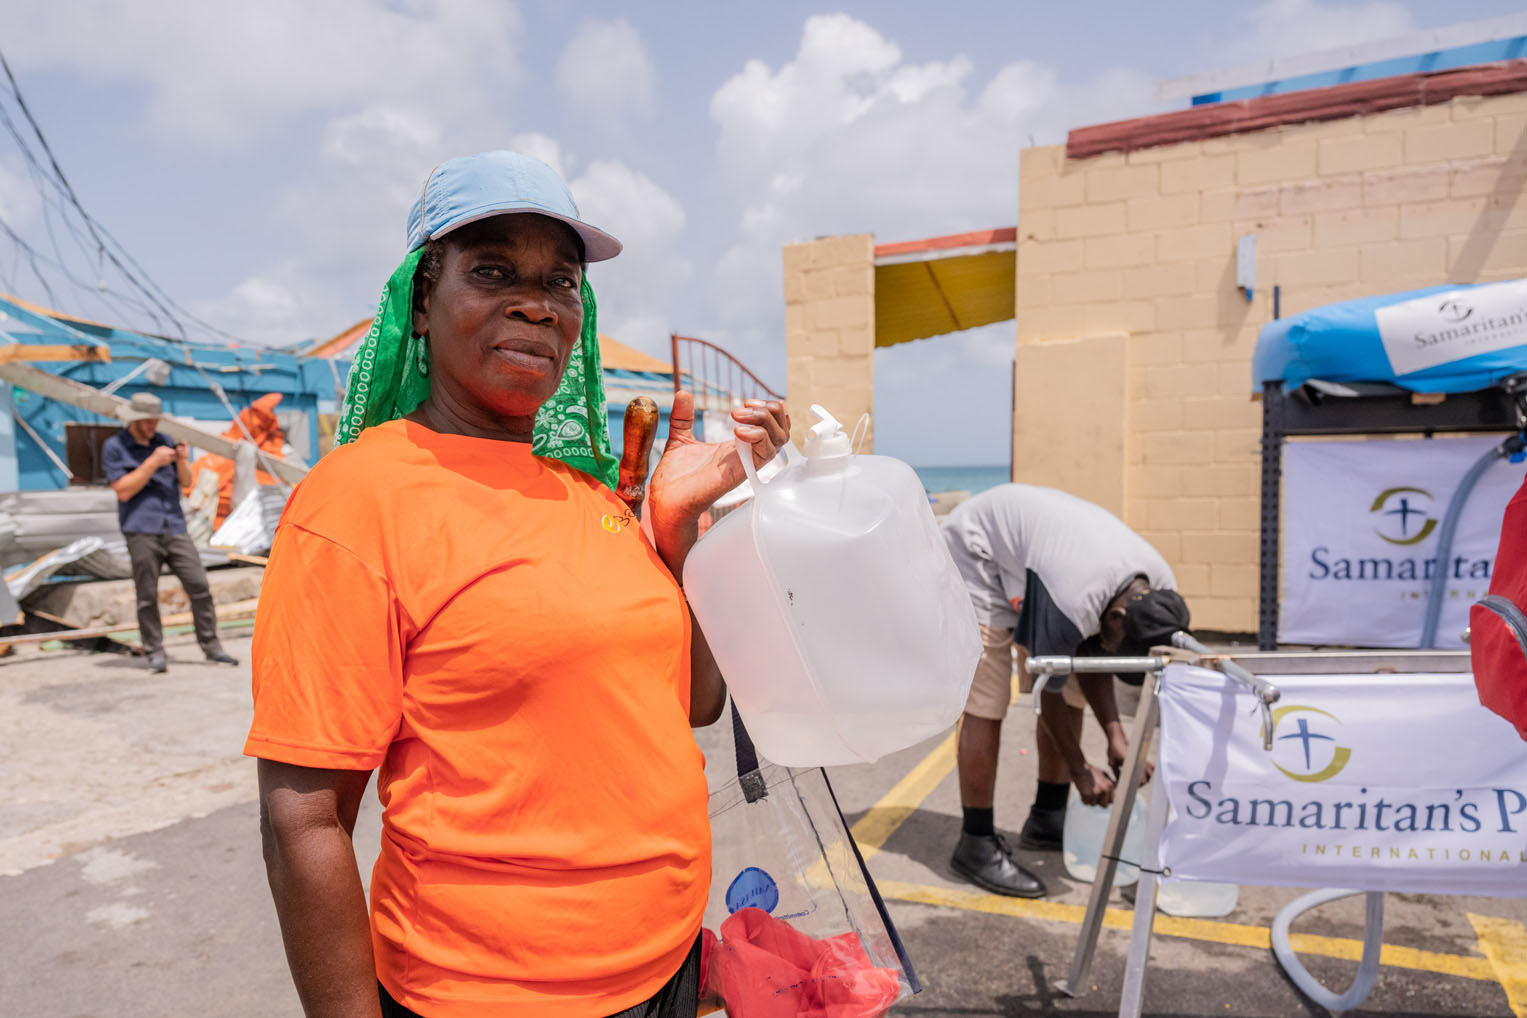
1147,716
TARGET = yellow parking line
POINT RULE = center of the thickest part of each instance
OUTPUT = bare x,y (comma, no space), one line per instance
1504,943
1236,934
880,822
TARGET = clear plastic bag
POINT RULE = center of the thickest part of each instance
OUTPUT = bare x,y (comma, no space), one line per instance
795,925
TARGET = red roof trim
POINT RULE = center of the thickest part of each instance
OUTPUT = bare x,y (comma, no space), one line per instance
1002,235
1333,102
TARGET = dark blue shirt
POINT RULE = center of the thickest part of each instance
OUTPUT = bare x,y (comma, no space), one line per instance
155,509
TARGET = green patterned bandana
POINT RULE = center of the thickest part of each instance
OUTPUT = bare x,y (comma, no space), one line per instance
389,378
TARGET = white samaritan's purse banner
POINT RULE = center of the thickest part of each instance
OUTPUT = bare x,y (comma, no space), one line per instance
1375,782
1359,545
1444,327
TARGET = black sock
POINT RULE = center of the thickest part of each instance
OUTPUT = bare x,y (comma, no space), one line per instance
1052,795
979,822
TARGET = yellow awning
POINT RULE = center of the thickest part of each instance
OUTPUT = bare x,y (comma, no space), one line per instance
944,284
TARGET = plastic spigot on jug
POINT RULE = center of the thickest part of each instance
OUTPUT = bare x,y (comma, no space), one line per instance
833,607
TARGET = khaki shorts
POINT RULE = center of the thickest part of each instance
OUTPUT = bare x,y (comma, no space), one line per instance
991,691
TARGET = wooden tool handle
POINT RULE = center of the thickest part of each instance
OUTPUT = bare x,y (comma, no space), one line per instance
640,430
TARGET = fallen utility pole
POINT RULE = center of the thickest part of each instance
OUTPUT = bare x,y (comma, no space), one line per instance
67,390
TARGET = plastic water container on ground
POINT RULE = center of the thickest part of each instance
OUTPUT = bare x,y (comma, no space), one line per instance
1082,840
1196,898
833,607
1082,847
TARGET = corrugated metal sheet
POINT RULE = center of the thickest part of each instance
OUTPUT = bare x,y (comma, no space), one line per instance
307,385
33,523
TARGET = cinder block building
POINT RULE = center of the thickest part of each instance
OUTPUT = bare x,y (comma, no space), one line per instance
1132,379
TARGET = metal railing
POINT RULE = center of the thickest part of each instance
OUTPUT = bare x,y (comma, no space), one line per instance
718,380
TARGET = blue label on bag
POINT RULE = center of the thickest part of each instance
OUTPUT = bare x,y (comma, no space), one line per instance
752,888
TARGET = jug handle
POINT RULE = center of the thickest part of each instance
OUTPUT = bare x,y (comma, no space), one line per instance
745,453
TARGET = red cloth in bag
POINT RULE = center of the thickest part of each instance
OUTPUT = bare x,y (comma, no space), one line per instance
763,967
1498,623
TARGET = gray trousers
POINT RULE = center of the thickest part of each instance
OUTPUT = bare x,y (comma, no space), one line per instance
149,554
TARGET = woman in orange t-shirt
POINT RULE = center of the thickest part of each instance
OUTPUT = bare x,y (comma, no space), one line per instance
455,598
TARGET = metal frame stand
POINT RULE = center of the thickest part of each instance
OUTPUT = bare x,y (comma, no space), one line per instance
1357,409
1272,493
1147,718
1133,994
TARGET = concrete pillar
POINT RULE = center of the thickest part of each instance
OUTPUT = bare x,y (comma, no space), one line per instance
1073,393
830,330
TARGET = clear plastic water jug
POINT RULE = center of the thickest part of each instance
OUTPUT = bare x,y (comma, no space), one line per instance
1082,840
1203,899
833,607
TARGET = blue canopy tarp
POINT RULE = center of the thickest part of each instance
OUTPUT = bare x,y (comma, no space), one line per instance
1441,339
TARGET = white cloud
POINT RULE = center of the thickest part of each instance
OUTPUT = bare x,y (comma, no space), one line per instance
629,204
375,134
911,366
638,290
347,221
19,198
605,70
947,399
279,305
221,75
544,148
1283,28
344,217
847,137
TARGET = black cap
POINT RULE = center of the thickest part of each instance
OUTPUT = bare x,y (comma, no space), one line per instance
1150,619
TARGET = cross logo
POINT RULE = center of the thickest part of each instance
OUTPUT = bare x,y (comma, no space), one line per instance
1402,520
1454,310
1310,762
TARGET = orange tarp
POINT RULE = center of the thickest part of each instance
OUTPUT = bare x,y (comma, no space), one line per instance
259,419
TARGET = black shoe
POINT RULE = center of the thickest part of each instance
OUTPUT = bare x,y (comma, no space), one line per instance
1042,831
219,656
156,662
984,860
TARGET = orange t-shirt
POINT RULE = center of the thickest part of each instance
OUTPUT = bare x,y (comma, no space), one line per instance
493,630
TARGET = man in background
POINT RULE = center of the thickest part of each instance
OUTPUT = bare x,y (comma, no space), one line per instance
147,471
1053,574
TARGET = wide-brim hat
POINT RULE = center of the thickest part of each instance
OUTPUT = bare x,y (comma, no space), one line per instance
143,406
468,188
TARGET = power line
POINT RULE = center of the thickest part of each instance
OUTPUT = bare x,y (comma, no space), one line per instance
152,301
68,191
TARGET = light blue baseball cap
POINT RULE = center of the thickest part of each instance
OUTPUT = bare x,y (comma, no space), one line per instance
468,188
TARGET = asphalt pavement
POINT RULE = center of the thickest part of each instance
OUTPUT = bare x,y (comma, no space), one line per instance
132,884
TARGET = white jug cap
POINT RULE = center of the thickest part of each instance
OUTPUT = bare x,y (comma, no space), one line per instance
826,440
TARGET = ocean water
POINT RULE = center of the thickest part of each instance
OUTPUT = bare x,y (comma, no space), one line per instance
971,478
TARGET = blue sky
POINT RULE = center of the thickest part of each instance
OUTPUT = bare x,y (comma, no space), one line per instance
259,159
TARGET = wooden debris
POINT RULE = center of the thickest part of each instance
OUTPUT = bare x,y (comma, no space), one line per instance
237,612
